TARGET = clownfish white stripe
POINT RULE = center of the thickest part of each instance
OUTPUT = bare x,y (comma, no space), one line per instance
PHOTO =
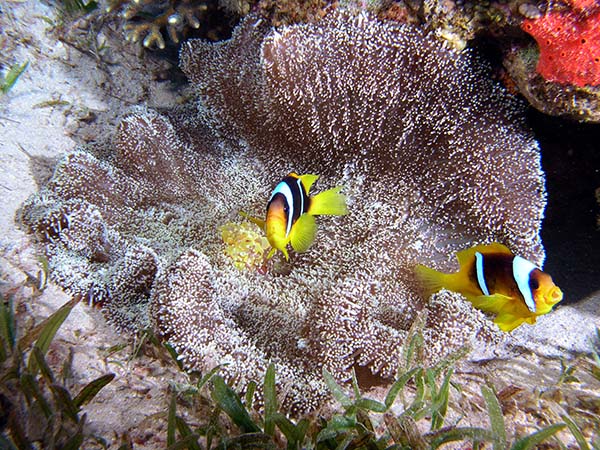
284,189
301,192
480,273
521,273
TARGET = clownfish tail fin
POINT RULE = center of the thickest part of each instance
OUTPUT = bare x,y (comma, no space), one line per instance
431,280
329,202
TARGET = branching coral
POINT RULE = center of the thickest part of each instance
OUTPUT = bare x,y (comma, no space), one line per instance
148,19
433,158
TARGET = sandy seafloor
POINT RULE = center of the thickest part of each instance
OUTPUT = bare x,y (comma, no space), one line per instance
91,96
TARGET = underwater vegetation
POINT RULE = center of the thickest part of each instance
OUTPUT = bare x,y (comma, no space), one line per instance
432,157
8,80
37,405
423,408
417,412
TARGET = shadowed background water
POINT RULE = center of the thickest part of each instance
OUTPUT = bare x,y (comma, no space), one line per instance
570,232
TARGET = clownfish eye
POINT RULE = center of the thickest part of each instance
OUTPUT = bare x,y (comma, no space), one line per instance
534,284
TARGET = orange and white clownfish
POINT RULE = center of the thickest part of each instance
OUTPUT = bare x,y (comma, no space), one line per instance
290,213
494,280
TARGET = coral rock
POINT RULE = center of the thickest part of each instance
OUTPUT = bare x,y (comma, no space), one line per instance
569,47
433,158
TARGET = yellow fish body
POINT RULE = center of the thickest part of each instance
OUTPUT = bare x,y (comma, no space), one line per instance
496,281
290,213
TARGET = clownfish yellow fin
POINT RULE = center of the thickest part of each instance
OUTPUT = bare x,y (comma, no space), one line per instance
303,233
495,303
508,322
329,202
274,250
308,180
494,247
466,256
255,220
431,280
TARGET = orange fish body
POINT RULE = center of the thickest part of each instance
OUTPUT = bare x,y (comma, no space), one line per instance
494,280
290,213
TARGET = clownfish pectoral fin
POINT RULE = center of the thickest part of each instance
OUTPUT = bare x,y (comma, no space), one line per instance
431,280
307,181
508,322
303,233
466,256
329,202
255,220
494,303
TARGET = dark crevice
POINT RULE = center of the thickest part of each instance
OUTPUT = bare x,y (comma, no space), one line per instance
570,232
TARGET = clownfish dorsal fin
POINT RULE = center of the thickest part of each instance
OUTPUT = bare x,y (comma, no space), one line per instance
329,202
494,247
307,180
466,256
303,233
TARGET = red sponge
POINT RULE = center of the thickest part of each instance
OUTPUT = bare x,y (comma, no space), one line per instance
569,44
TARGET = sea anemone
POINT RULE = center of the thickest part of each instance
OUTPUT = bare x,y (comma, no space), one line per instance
433,158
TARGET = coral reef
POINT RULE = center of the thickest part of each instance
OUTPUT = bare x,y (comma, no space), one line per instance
559,73
291,12
569,47
148,21
346,87
577,103
432,156
460,21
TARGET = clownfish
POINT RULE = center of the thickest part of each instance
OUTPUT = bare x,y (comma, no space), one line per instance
290,213
494,280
